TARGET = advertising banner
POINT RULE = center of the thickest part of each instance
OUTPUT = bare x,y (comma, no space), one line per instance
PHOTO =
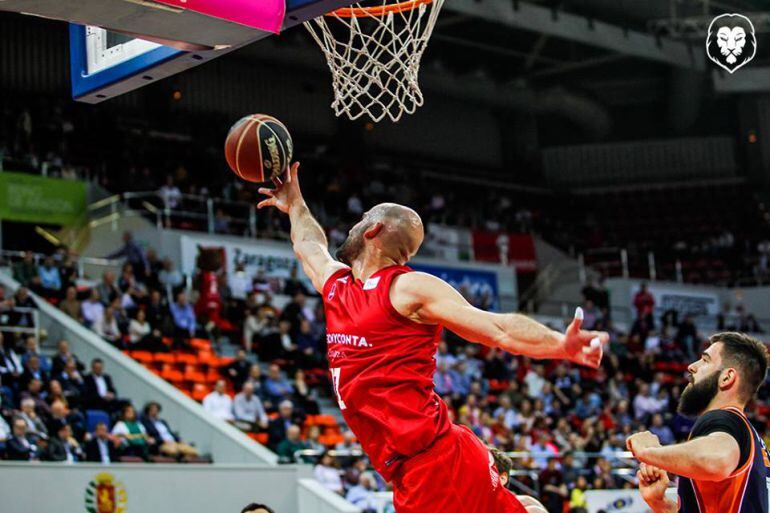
275,260
616,501
479,287
682,299
37,199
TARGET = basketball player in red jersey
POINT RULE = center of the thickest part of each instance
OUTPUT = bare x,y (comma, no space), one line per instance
724,467
383,323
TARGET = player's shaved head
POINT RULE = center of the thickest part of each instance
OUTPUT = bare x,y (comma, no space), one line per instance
394,229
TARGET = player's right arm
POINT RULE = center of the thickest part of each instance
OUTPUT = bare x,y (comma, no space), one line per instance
307,236
430,300
653,483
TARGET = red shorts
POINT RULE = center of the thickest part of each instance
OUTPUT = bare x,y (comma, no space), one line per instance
455,475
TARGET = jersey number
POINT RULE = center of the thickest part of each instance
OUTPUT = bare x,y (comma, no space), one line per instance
336,384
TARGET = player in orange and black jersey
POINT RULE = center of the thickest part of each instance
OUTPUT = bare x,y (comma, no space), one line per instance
724,467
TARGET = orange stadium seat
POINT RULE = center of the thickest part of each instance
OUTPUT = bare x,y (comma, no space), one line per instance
194,373
199,391
165,357
142,356
187,358
169,373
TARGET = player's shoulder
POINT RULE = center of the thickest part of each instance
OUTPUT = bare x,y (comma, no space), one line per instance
414,282
336,272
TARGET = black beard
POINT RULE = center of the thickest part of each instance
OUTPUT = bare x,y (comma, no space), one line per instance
696,397
350,249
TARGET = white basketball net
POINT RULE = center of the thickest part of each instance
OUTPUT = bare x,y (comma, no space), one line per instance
375,60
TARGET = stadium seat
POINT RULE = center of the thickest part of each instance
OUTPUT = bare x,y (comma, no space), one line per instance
194,374
186,358
142,356
165,357
169,373
93,417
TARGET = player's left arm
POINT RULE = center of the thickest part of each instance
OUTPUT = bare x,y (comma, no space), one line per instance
430,300
713,457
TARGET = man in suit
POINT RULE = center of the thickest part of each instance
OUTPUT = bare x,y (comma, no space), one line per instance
18,447
59,360
238,370
34,370
63,447
168,443
101,447
99,392
277,428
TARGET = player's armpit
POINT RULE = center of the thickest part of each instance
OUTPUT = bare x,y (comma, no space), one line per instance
316,261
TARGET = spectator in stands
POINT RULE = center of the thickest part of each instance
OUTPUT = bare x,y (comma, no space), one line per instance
535,380
22,299
326,473
218,403
33,370
50,279
256,379
248,410
444,356
240,283
32,349
70,304
304,396
577,500
157,312
349,442
279,344
141,336
61,414
6,303
312,439
5,431
134,256
102,447
444,380
644,303
286,417
26,271
277,387
72,383
292,443
184,317
663,432
35,391
36,428
295,311
308,346
592,316
687,338
171,279
68,272
98,391
63,446
106,327
107,289
10,363
362,495
554,490
238,371
221,222
92,308
19,447
293,284
134,438
170,193
168,443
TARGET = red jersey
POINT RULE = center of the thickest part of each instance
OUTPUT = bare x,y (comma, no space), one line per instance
382,367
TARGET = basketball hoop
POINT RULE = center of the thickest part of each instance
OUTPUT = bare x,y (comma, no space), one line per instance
374,55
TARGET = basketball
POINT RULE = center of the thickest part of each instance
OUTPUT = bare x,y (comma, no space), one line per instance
258,148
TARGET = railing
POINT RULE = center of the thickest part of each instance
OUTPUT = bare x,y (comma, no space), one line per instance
80,262
8,327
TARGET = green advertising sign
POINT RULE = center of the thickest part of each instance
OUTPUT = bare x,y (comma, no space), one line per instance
37,199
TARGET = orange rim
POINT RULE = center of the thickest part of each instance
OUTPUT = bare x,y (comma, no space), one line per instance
380,10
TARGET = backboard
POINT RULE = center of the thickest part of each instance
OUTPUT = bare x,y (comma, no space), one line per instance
117,46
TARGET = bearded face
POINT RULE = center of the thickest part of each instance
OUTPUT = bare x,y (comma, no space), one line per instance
731,42
353,245
697,396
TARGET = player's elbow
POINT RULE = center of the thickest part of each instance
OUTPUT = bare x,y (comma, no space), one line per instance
713,468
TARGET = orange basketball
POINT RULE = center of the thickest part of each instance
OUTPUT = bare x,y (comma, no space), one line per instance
258,148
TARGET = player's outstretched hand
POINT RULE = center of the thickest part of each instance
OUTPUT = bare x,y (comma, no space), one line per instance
652,483
286,191
582,346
